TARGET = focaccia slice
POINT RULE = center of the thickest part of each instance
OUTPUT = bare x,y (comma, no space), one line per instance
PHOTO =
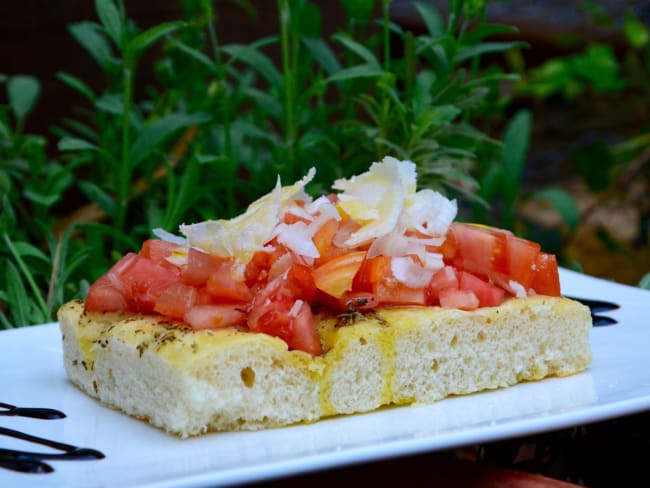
191,382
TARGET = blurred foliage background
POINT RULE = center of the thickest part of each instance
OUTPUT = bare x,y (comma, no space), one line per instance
188,110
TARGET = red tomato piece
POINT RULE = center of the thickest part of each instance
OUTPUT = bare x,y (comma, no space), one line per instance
547,276
480,250
273,310
214,316
460,299
372,271
446,277
226,289
400,294
143,282
200,266
176,300
488,295
336,276
104,296
157,250
522,256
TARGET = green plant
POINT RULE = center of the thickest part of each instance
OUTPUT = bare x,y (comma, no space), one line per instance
224,119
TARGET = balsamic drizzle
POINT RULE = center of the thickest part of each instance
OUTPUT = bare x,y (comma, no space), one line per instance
32,462
596,307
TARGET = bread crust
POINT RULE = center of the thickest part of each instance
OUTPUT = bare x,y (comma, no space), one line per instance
191,382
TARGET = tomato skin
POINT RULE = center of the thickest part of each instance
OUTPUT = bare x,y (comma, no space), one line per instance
480,250
200,266
104,296
488,295
158,250
372,271
547,277
446,277
336,276
270,310
214,316
400,294
458,299
176,300
522,256
144,281
323,239
224,288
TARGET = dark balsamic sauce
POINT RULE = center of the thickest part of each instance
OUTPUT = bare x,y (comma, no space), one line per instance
32,462
596,307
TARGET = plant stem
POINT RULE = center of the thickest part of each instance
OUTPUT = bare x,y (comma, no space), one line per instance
289,84
28,276
125,164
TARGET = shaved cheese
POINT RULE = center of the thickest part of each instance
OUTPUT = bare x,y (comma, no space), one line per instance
410,273
375,199
295,308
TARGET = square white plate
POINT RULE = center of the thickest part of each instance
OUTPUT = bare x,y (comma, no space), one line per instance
31,375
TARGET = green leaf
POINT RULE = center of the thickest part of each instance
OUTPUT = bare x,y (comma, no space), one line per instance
307,20
483,31
594,162
257,60
111,19
322,54
431,18
564,203
95,194
23,92
360,71
17,297
156,132
359,49
47,200
111,103
90,37
636,32
75,144
145,39
77,85
485,48
25,249
193,53
513,158
359,10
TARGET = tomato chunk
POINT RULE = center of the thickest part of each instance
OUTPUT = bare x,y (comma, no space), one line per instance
488,295
460,299
104,296
225,288
176,300
200,266
214,316
336,276
547,277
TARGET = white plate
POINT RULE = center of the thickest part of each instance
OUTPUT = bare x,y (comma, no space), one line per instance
31,375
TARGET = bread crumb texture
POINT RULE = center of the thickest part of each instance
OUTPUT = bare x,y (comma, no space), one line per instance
192,382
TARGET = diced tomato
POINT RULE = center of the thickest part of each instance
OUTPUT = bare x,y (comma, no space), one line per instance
323,239
144,281
157,250
104,296
372,271
444,278
336,276
176,300
522,256
214,316
400,294
226,289
460,299
480,250
134,283
488,295
547,277
272,307
200,266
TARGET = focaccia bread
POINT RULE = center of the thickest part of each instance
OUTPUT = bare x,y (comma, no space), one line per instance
190,382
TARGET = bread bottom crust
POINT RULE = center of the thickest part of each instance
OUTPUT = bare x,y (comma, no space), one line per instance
192,382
